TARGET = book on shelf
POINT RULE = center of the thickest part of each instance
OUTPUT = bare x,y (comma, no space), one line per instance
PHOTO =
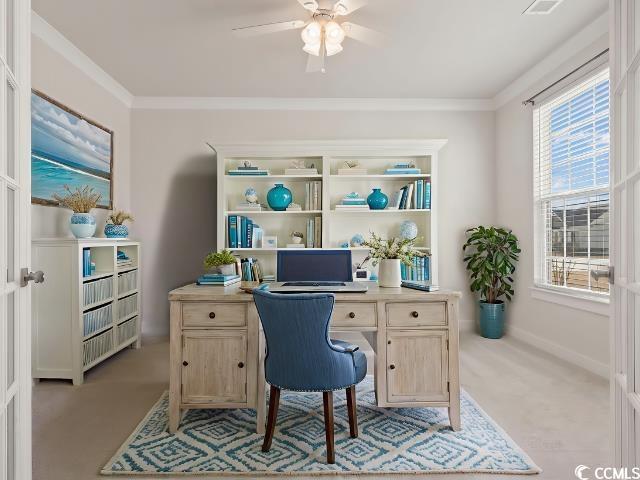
415,195
295,245
313,195
249,207
220,277
239,231
248,173
251,270
402,171
301,171
418,271
294,207
86,262
314,232
352,207
352,171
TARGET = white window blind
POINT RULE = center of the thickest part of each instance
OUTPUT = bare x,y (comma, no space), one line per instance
571,186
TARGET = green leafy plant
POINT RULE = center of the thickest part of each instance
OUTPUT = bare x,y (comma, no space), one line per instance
81,200
391,249
118,217
215,259
490,255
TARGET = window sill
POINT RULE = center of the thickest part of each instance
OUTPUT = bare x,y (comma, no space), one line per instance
586,302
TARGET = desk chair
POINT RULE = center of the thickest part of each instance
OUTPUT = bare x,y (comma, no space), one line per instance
301,357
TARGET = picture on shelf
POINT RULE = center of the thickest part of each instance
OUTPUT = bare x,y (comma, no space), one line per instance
269,241
68,149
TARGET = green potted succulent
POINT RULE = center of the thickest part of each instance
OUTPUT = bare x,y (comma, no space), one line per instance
490,255
224,262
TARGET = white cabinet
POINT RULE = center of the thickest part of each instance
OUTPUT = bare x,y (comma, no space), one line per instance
80,320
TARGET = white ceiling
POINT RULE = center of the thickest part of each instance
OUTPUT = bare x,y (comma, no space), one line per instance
433,48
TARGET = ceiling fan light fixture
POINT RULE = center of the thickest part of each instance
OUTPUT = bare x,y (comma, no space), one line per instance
340,9
312,33
312,49
332,49
333,33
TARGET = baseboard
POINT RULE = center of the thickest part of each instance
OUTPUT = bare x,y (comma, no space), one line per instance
575,358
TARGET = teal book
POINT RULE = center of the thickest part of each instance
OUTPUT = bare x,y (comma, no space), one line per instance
232,227
427,193
419,194
243,232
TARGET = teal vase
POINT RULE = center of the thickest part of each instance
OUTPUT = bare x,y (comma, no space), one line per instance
279,197
377,200
491,319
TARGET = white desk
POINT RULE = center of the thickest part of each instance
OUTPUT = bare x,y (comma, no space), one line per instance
217,348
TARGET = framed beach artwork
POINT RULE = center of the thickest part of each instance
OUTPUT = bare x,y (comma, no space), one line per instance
68,149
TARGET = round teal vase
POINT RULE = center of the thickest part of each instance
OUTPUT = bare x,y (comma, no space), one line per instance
116,231
279,197
377,200
491,319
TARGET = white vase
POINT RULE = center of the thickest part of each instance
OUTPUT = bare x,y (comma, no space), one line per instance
229,269
389,273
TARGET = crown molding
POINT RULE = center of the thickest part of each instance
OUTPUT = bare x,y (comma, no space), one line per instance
58,42
553,61
312,104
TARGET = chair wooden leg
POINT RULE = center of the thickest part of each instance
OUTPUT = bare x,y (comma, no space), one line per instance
274,402
351,408
327,399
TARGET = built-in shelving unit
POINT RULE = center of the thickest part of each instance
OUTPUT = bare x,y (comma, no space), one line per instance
79,321
338,226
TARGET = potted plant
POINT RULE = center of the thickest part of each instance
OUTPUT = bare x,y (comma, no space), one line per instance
224,262
296,237
390,254
115,227
490,255
81,200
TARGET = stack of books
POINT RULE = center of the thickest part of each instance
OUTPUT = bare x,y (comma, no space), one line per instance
251,270
294,207
249,171
248,207
419,271
301,171
313,196
402,169
241,232
217,279
352,202
314,232
415,195
123,261
268,278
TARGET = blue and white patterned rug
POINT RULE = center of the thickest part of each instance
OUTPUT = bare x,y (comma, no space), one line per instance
400,440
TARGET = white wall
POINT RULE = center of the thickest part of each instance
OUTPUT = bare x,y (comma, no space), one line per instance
174,182
56,77
577,335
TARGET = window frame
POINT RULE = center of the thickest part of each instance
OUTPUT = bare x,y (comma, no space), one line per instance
597,302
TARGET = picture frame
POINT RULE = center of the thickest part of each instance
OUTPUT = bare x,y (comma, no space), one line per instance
68,148
269,241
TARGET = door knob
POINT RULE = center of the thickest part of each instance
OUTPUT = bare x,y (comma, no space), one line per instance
240,364
212,315
392,367
414,314
26,276
185,363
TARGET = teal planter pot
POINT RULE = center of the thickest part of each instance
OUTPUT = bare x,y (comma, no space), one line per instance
491,319
279,197
377,200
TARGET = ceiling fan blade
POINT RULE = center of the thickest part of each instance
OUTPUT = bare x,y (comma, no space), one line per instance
345,7
315,63
311,5
363,34
265,28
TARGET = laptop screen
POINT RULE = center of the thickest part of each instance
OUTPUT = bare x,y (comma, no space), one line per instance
315,266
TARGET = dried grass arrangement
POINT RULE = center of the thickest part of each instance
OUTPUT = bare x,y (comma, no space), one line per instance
81,200
118,217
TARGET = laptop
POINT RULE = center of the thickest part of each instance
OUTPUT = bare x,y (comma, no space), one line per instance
315,271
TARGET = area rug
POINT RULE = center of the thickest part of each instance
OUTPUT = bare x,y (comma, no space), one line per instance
398,440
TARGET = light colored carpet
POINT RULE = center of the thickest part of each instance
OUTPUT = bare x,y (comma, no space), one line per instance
400,440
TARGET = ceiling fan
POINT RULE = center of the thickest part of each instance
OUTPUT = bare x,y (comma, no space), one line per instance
322,34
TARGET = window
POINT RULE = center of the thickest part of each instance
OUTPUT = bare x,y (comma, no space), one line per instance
571,187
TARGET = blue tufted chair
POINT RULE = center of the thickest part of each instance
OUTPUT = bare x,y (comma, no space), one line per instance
302,357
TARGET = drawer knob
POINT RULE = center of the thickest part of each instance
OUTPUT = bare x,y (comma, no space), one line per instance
212,315
392,367
414,314
240,365
388,342
352,315
185,363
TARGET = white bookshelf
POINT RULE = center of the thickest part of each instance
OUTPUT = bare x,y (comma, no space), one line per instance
328,157
73,330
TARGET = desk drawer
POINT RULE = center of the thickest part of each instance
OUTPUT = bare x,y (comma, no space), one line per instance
416,314
354,315
207,314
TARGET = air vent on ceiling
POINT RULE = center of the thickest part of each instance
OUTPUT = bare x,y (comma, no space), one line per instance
542,7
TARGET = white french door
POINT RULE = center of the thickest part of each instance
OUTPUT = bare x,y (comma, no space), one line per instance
15,240
625,228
